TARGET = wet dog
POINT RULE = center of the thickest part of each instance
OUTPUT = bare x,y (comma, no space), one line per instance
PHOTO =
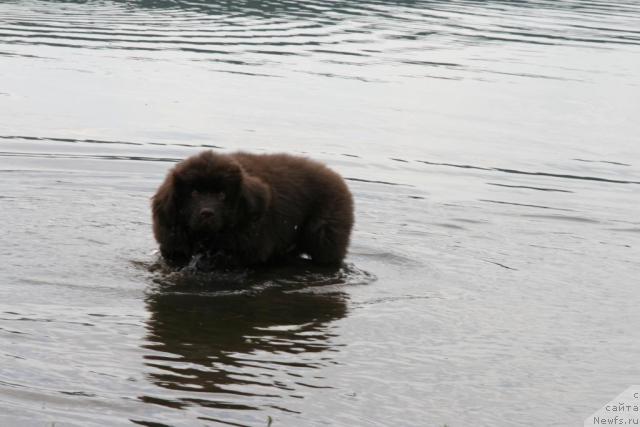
244,210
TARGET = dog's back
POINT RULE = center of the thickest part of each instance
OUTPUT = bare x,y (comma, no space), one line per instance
309,193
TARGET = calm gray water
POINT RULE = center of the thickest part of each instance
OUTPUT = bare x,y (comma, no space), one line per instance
493,151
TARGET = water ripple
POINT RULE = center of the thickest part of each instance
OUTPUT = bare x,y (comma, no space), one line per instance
416,30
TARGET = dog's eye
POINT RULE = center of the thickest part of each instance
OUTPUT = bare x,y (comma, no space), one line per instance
221,196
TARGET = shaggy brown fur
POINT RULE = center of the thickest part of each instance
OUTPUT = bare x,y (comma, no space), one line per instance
248,209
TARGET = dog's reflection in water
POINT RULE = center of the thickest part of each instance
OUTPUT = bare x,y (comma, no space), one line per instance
242,333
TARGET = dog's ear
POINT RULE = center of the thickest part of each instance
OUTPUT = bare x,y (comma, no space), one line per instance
254,198
168,226
164,203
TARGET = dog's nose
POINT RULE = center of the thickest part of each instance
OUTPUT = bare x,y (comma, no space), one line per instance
206,213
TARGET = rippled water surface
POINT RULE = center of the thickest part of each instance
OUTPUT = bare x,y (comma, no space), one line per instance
493,152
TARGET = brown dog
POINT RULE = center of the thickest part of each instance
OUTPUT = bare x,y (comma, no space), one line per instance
248,209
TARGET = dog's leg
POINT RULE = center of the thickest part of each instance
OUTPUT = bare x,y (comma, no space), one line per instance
326,241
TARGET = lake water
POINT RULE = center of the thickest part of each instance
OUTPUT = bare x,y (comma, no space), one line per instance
494,155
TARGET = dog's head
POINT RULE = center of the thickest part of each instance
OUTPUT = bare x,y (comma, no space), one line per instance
208,193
